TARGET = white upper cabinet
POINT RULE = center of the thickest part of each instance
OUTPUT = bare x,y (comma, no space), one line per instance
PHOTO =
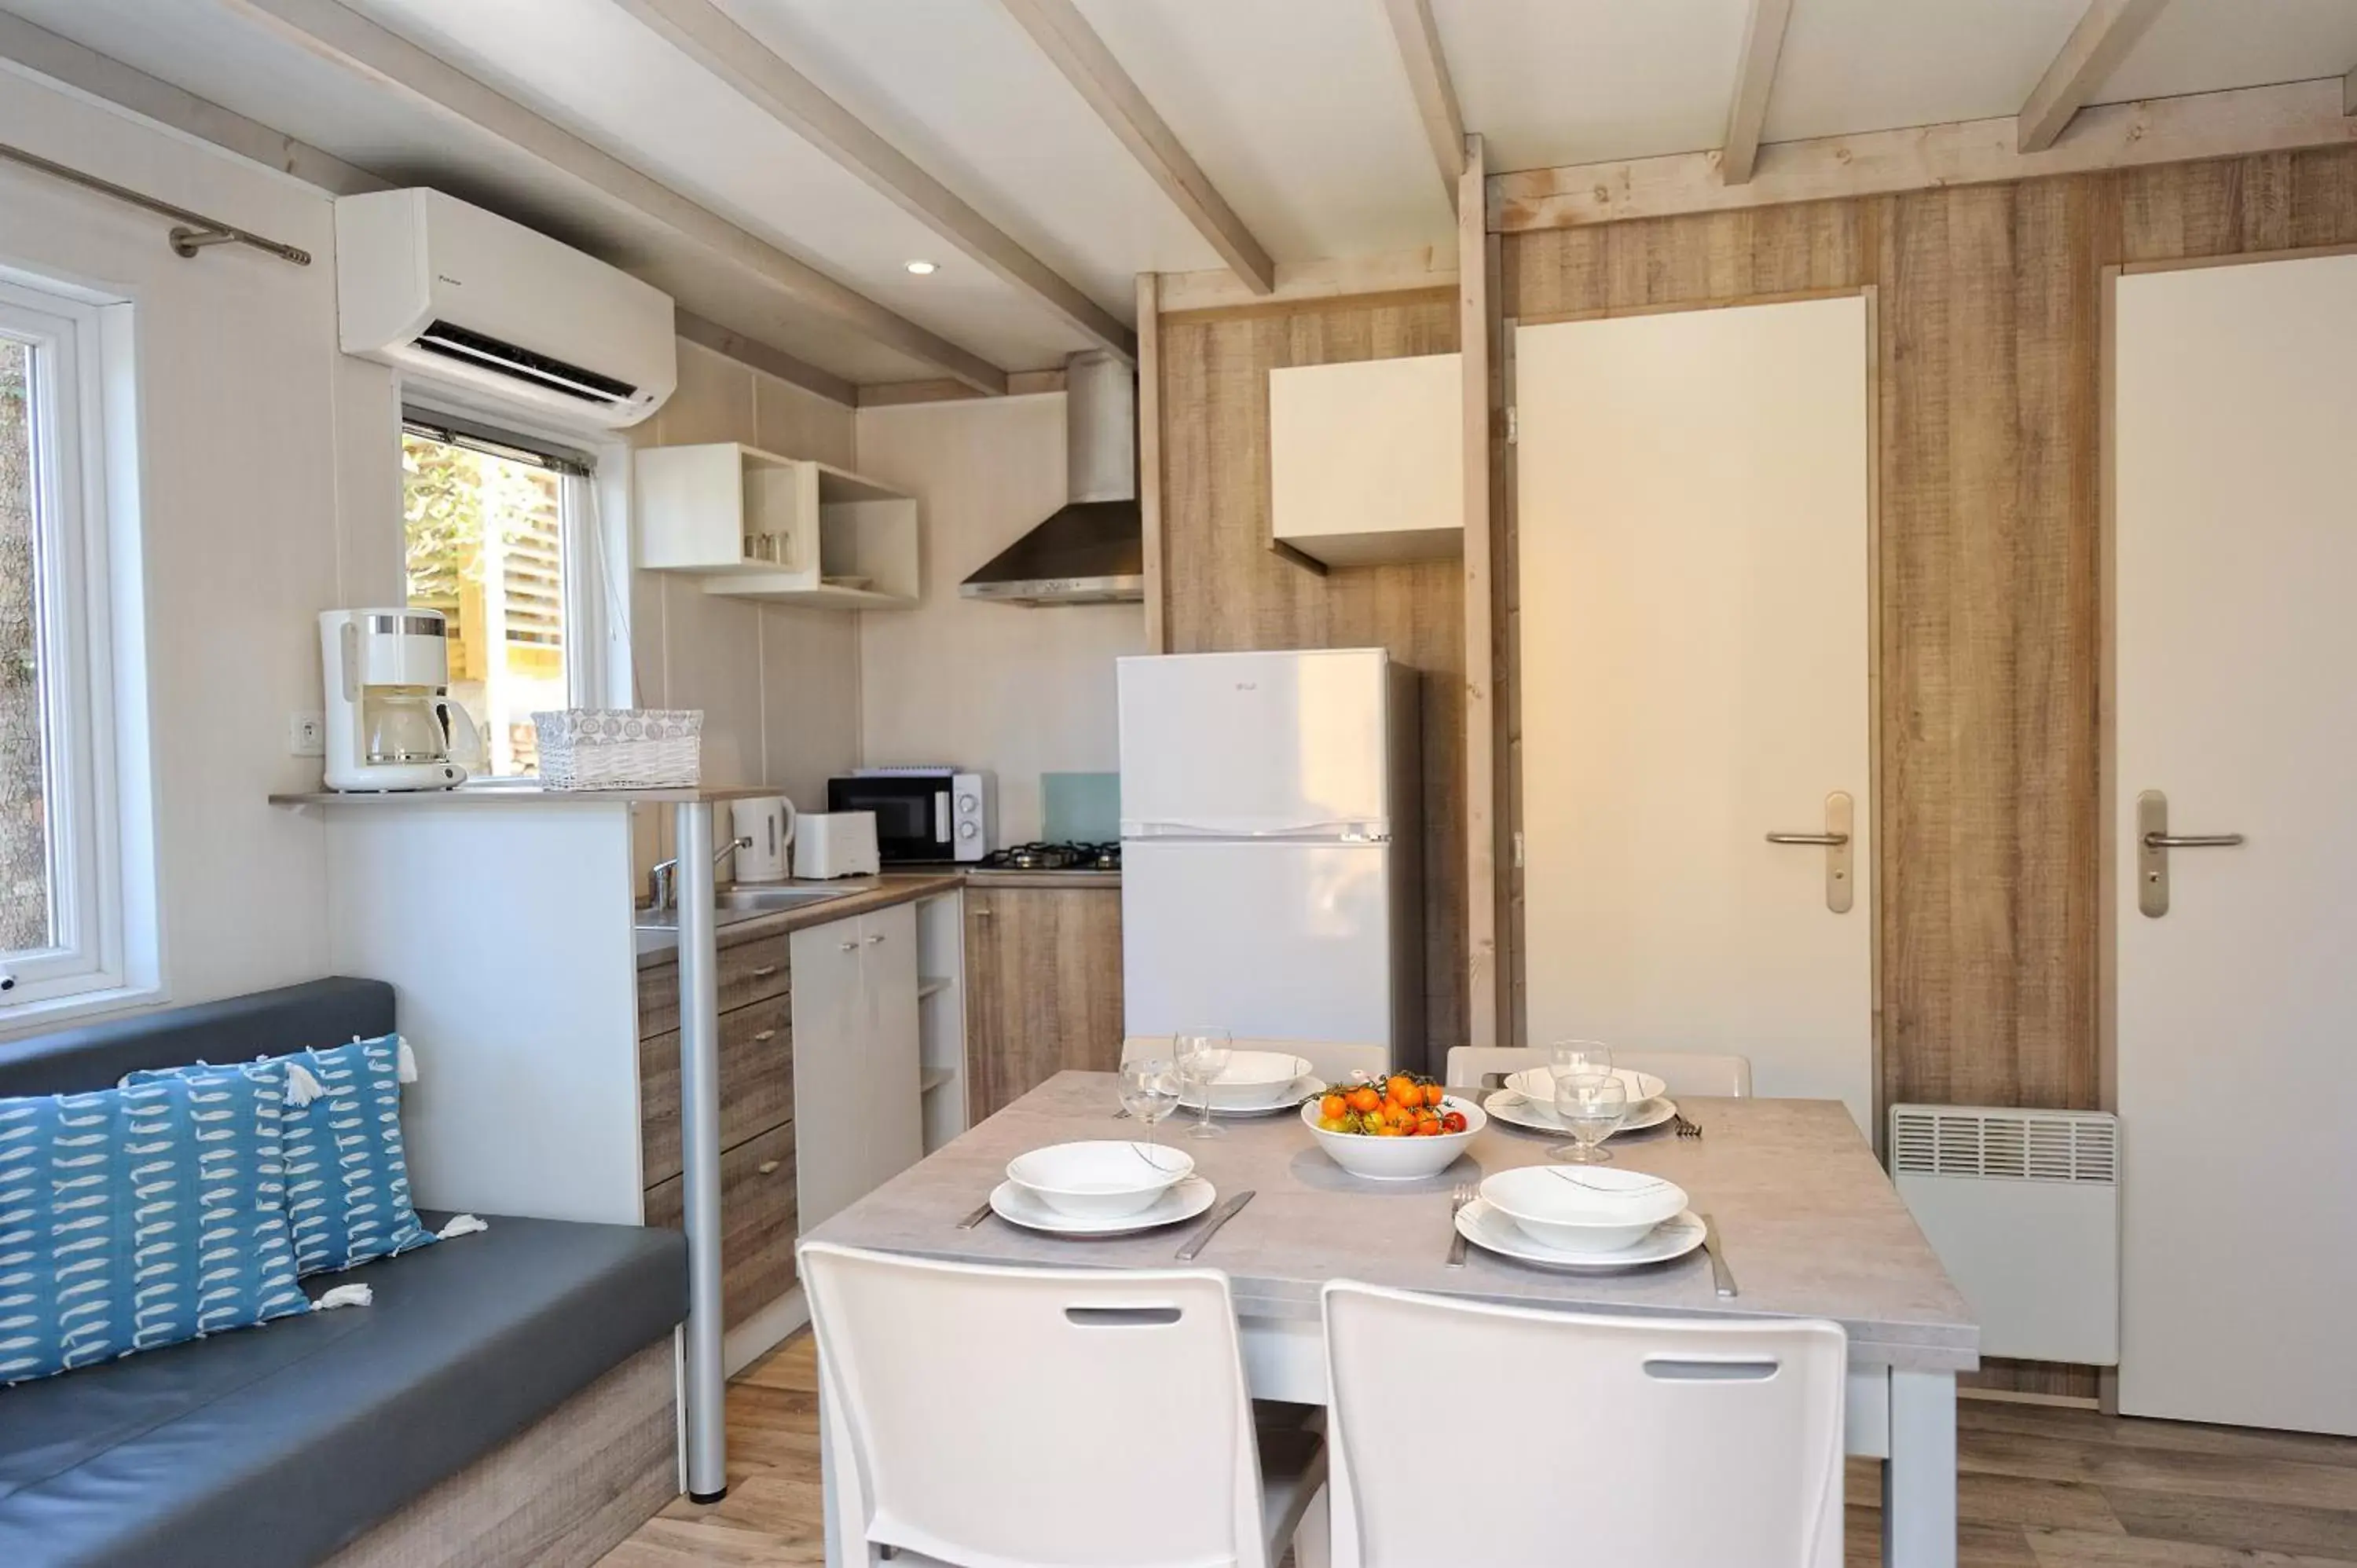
759,526
1366,460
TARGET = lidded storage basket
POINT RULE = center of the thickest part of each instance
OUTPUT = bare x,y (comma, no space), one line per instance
621,748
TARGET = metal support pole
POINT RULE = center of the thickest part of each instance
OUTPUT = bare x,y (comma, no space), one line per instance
699,1140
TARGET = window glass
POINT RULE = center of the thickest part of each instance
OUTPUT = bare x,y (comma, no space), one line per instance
25,916
484,535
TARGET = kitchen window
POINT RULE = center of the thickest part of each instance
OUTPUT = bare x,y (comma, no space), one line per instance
76,888
502,536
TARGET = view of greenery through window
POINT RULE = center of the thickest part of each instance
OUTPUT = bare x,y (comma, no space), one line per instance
485,538
24,825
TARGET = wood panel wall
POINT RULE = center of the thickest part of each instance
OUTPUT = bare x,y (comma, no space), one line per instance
1990,388
1225,589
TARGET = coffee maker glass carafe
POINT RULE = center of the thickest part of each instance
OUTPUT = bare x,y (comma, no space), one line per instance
405,724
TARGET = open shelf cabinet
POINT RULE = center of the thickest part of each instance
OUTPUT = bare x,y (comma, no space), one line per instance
754,525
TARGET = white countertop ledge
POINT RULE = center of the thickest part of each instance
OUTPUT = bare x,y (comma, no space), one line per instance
524,795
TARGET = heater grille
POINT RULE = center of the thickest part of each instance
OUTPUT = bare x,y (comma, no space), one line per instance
2022,1146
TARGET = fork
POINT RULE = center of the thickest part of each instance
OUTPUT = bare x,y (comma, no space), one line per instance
1464,1194
1685,1128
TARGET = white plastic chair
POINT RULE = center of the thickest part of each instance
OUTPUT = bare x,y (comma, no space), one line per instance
1685,1073
1333,1060
1047,1417
1670,1443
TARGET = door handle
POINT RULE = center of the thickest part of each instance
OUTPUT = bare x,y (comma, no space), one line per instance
2154,841
875,938
1840,853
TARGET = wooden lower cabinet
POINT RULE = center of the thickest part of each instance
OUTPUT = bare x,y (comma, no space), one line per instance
756,1083
758,1224
1043,988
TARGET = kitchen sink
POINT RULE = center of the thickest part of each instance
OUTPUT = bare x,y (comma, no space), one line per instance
731,904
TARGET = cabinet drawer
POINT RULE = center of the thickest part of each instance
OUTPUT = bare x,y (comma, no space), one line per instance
749,973
756,1220
756,1083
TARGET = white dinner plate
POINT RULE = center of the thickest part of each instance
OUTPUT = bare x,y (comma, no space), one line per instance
1538,1083
1291,1095
1516,1109
1184,1202
1493,1231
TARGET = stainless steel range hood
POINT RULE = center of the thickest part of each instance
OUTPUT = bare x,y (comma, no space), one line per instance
1091,550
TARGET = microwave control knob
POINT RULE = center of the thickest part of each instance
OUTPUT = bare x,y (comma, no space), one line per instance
967,805
967,831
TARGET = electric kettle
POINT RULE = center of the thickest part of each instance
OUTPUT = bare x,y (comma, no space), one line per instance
765,832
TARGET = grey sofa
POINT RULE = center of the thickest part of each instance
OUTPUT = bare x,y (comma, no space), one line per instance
281,1445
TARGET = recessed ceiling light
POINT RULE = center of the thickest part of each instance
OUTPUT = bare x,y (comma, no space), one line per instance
923,269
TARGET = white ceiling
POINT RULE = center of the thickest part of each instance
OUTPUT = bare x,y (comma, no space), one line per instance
1296,109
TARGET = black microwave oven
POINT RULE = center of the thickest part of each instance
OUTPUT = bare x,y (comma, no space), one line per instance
921,813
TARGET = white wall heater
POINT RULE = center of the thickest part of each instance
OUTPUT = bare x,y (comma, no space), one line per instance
2023,1207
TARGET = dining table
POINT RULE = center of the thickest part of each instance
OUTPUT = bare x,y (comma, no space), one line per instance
1805,1221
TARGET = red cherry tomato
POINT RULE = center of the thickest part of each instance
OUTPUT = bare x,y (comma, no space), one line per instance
1452,1121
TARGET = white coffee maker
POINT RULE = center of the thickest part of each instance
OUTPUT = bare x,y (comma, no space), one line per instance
391,723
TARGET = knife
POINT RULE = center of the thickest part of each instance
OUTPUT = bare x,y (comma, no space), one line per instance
1720,1274
1210,1227
982,1212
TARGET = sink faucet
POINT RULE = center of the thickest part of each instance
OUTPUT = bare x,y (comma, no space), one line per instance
662,882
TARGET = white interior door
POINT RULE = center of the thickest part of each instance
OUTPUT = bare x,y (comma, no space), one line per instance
2235,1016
1694,528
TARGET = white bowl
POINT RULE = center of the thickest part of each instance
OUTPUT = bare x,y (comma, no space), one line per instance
1101,1178
1397,1159
1537,1084
1583,1208
1253,1081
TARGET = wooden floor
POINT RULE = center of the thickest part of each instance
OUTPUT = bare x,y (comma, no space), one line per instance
2039,1488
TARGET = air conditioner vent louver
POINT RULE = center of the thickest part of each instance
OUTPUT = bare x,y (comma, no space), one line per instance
552,375
2022,1146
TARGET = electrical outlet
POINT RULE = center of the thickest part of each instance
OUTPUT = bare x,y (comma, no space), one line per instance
307,734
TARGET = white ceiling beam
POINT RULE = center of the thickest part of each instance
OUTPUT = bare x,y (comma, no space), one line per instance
1429,84
706,35
2100,41
1755,79
1067,40
348,39
2285,118
94,75
771,361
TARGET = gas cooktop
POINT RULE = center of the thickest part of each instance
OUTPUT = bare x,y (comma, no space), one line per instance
1054,857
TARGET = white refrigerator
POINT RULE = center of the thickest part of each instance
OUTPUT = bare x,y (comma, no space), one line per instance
1271,861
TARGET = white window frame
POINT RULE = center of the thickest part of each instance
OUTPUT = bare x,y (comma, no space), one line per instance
95,732
594,516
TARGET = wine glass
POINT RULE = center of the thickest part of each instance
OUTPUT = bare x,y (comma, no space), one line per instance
1149,1091
1590,1106
1585,1058
1203,1056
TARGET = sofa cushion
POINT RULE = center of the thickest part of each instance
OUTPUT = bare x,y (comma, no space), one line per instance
234,1029
140,1216
256,1450
347,1176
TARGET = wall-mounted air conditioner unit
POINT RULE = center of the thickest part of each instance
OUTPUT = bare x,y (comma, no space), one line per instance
462,298
2023,1207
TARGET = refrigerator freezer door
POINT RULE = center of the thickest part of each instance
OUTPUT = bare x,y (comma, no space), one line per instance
1274,940
1244,744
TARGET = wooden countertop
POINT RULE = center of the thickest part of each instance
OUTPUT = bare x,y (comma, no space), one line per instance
1043,878
860,895
1808,1221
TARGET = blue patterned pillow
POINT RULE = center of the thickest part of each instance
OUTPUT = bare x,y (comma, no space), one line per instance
141,1216
347,1176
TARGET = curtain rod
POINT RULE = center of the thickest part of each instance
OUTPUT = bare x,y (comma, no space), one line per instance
197,232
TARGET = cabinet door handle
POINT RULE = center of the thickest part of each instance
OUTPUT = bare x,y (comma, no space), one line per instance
849,946
765,1034
766,971
982,913
874,939
767,1167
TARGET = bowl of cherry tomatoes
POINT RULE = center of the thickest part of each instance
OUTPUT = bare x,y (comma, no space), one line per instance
1405,1127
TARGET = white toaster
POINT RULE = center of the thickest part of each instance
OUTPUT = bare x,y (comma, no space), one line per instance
835,843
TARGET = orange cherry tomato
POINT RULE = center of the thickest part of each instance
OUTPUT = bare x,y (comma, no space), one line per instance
1390,1130
1332,1106
1364,1099
1405,1090
1434,1094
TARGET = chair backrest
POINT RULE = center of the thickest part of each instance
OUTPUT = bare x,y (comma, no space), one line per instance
1676,1442
1052,1416
1686,1072
1333,1060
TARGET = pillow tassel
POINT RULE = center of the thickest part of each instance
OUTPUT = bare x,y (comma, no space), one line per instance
302,1087
345,1296
408,1068
460,1225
